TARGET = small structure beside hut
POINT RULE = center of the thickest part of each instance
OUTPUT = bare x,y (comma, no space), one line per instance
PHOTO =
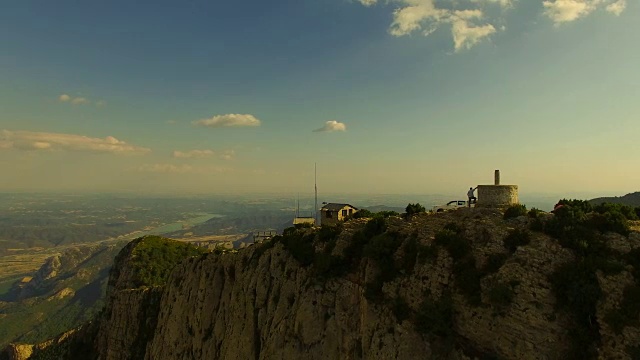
304,220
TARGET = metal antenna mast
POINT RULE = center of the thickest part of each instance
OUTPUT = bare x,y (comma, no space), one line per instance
315,180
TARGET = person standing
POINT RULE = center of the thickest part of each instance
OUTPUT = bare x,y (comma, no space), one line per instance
472,196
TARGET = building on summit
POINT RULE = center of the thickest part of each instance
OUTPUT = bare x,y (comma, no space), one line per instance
332,213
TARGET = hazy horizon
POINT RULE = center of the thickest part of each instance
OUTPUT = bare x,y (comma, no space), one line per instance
399,97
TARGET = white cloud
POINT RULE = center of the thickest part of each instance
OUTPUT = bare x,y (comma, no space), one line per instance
503,3
181,169
368,2
27,140
166,168
229,120
411,17
332,126
470,25
426,16
79,101
228,155
617,7
466,35
563,11
65,98
193,154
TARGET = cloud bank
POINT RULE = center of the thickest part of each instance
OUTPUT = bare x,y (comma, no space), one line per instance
332,126
468,22
27,140
229,120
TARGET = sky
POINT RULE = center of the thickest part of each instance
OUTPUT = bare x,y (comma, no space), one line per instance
385,96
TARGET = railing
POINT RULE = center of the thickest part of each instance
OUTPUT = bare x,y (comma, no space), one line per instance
261,236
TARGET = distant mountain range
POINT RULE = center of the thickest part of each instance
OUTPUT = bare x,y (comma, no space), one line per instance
632,199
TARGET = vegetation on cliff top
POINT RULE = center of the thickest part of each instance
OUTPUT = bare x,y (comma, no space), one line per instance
154,257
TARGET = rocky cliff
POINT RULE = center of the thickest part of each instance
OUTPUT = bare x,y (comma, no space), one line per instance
460,285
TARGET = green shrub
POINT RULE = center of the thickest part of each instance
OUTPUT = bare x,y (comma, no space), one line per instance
427,252
435,318
290,230
387,213
633,258
501,295
154,258
577,291
262,248
629,311
375,226
362,213
582,205
409,254
467,278
456,245
609,222
626,211
413,209
329,233
328,266
453,227
534,213
633,352
536,225
400,309
300,246
516,237
515,211
494,263
381,250
353,250
373,290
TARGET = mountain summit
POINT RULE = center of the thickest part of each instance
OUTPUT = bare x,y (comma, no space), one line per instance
464,284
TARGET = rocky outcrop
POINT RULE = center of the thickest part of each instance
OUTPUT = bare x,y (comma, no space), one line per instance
18,351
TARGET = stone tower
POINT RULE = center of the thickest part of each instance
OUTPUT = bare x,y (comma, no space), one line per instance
496,195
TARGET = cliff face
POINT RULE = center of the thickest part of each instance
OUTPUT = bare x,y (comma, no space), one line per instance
270,307
404,294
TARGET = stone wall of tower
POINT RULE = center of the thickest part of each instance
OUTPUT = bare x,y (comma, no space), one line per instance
497,196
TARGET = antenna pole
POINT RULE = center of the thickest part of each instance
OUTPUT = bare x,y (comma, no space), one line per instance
315,180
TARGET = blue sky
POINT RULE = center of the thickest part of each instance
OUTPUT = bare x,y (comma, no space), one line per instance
405,96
